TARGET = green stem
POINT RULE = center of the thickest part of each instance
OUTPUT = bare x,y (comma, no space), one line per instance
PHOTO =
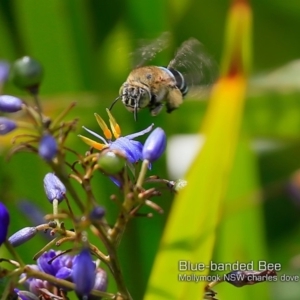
55,211
38,106
114,264
142,173
62,115
115,267
13,252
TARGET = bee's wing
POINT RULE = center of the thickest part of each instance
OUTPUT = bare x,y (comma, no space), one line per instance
195,64
149,49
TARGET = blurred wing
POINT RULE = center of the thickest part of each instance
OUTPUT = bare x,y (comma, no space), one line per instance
195,64
148,50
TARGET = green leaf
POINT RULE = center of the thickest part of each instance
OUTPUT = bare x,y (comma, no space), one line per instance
241,229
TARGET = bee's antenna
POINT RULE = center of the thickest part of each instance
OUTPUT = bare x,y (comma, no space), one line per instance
112,105
135,111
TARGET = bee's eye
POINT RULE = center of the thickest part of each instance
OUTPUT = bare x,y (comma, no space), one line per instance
144,100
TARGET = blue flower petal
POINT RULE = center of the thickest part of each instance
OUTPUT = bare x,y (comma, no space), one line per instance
63,273
43,262
140,133
129,147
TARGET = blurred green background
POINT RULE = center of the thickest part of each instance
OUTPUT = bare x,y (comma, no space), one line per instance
84,47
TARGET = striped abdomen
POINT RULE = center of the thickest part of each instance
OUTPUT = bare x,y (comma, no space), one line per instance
179,79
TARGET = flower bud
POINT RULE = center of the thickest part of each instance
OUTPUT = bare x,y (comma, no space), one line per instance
101,280
4,70
54,188
10,103
25,295
111,162
155,145
47,147
84,274
22,236
100,283
97,213
6,125
27,73
4,221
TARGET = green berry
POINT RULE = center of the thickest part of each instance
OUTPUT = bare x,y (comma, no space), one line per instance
111,162
27,73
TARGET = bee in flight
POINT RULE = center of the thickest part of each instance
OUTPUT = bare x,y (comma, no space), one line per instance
156,86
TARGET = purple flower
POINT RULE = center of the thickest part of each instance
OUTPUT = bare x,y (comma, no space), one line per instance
60,267
10,103
79,269
4,70
34,285
22,236
54,188
52,263
4,221
155,145
6,125
84,274
47,147
127,145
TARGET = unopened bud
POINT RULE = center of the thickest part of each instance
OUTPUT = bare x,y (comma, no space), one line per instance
10,104
155,145
47,147
54,188
22,236
6,125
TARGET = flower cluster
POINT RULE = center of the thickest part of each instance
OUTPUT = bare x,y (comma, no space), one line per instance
132,149
121,158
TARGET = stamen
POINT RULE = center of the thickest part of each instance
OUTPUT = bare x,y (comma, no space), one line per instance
95,134
92,143
105,129
116,130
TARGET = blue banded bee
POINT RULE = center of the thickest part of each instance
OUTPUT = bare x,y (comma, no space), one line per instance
156,86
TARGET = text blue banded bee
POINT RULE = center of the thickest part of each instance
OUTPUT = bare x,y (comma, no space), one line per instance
154,86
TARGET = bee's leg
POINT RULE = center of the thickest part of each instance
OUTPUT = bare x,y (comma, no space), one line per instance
174,99
155,110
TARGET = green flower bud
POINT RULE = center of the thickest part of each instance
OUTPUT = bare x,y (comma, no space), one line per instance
111,162
27,73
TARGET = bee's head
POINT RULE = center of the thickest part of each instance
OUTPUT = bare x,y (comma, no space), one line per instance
134,98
